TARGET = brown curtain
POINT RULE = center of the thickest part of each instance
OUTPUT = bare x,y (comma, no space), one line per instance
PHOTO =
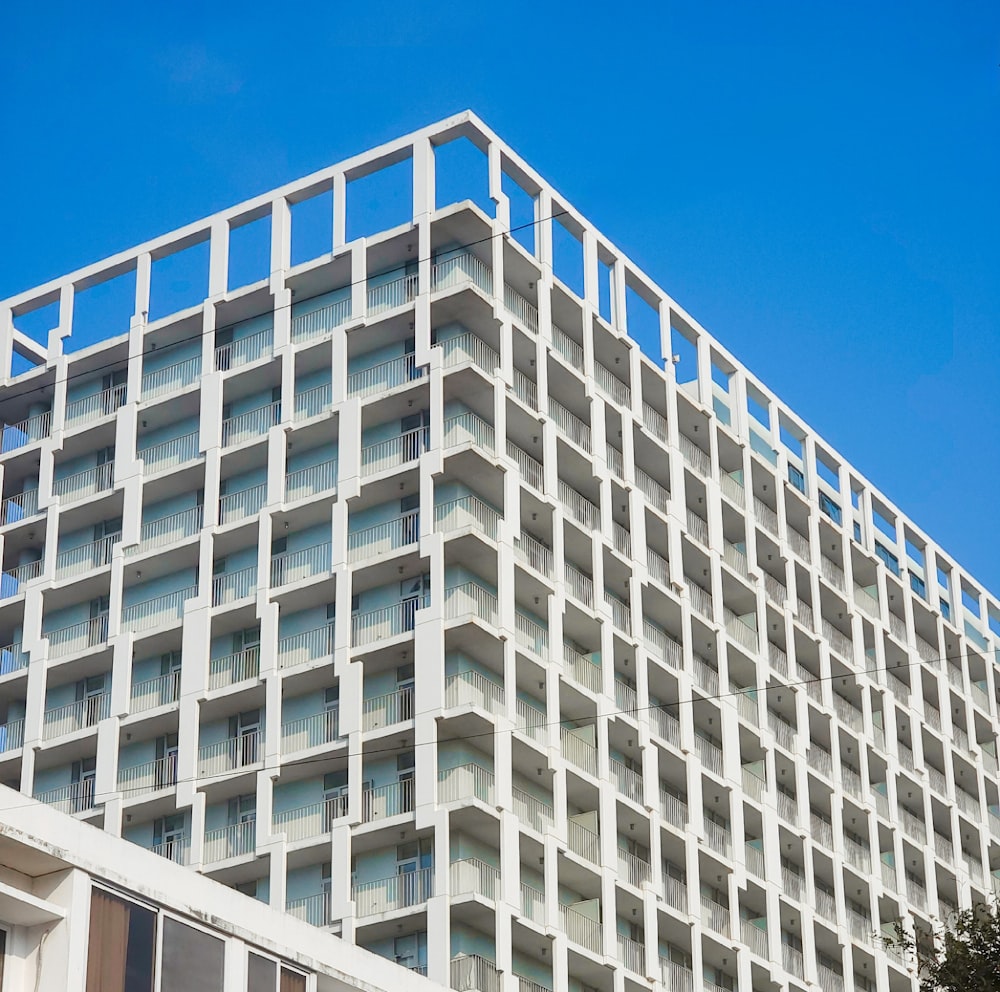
291,982
108,943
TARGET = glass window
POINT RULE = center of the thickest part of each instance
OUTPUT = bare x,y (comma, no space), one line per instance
192,959
120,954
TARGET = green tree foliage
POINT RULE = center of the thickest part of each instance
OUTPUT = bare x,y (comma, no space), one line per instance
960,955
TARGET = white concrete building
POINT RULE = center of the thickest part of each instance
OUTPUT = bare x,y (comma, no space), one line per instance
402,589
82,911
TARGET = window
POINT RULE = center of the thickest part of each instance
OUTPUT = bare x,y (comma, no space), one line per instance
796,478
831,509
121,949
890,561
192,959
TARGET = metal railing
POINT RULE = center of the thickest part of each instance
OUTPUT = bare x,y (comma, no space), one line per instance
469,428
13,658
242,504
13,578
168,530
615,460
307,646
393,799
719,837
95,406
176,849
832,572
20,506
628,780
715,915
740,631
621,539
312,480
754,859
150,776
634,870
564,346
531,552
472,876
581,929
388,708
169,454
230,587
658,567
234,668
755,938
579,507
655,422
581,668
530,468
799,544
310,731
524,312
89,482
578,584
612,386
621,612
710,754
396,292
466,781
252,424
532,902
694,456
76,715
467,347
380,539
657,494
665,725
570,424
312,402
765,515
697,527
77,797
471,688
474,973
530,635
314,910
161,691
78,636
294,566
162,382
525,389
243,351
632,954
309,326
701,599
539,815
25,432
158,610
577,751
470,597
394,451
530,720
736,559
390,621
231,841
313,820
661,645
399,891
230,754
384,376
732,488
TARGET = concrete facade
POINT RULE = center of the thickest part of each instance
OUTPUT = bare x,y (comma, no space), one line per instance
404,591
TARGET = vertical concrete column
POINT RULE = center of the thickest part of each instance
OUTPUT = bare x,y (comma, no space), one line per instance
339,210
497,195
218,259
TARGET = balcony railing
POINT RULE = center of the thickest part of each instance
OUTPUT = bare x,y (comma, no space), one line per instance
570,424
25,432
675,976
694,456
530,636
537,814
310,731
167,531
18,507
387,709
394,799
460,269
697,527
621,612
234,668
309,481
78,636
530,720
171,379
470,597
394,451
307,646
313,402
465,782
395,293
89,482
665,725
468,428
242,504
467,511
309,326
243,351
582,669
294,566
314,820
314,909
531,552
467,347
657,494
583,841
524,312
530,468
14,578
472,688
740,631
150,776
384,376
532,902
13,658
93,407
252,424
581,929
579,507
564,346
615,460
473,973
157,611
719,837
161,691
634,870
384,538
11,735
632,954
400,891
78,797
230,754
612,386
76,716
231,841
390,621
766,515
169,454
661,645
76,561
525,390
577,751
231,587
715,915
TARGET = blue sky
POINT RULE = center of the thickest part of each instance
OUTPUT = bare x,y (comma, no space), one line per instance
816,183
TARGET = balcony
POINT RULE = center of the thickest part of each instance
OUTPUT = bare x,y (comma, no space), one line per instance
525,312
715,916
11,735
232,841
694,456
252,424
583,841
536,813
384,376
311,821
297,566
525,390
676,977
466,782
76,716
390,295
719,838
470,598
467,511
310,731
401,891
394,452
80,485
18,507
472,688
242,666
159,610
94,407
311,326
627,780
532,903
161,691
12,579
150,776
662,645
231,754
310,481
76,561
461,270
313,402
172,379
474,877
531,552
314,909
633,870
657,494
581,669
167,531
394,799
243,351
578,751
28,431
530,468
467,347
575,429
665,725
176,849
384,538
579,507
468,428
530,720
582,929
310,645
78,636
390,621
387,709
632,954
675,892
530,636
473,973
78,797
231,587
566,348
169,454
